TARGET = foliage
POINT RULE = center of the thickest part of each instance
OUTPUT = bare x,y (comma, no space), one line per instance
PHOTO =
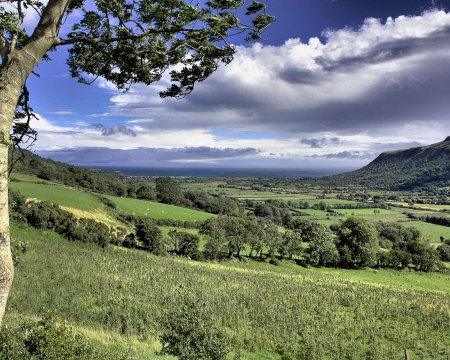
357,242
18,247
185,244
150,236
322,249
44,339
168,191
220,205
188,332
444,252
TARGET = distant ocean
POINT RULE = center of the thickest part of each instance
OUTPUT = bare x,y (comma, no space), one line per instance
225,172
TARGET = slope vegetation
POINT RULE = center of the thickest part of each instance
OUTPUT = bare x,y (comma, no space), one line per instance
402,169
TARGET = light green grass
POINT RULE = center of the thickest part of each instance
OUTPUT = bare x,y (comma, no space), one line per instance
368,212
398,279
61,195
29,178
429,231
263,307
157,210
312,212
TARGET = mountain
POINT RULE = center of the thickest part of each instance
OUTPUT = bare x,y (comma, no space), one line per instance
403,169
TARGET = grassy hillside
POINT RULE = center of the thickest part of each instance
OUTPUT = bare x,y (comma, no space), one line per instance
121,294
157,210
402,169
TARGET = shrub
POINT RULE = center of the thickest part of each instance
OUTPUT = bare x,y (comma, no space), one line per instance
45,340
188,332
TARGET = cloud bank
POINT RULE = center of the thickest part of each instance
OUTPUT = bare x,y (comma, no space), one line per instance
379,87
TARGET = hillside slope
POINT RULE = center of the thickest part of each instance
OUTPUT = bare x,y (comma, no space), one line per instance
403,169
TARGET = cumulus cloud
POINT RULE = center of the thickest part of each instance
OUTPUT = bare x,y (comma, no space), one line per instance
362,91
114,130
319,143
376,78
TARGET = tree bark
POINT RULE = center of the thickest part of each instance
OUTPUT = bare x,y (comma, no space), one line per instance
16,66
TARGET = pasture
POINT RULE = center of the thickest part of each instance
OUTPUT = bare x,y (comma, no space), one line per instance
156,210
64,196
430,231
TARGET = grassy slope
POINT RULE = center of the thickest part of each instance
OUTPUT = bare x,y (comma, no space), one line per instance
157,210
81,202
117,295
61,195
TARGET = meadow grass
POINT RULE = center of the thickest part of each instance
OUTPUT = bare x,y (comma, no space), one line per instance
430,231
61,195
28,178
315,313
367,212
157,210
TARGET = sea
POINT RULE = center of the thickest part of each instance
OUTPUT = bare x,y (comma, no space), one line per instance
225,172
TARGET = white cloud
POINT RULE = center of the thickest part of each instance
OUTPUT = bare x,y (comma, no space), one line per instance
374,79
383,84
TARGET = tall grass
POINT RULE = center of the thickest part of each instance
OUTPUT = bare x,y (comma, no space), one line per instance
263,308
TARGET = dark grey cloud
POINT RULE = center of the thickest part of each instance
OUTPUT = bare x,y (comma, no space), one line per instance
375,80
347,155
294,75
144,156
114,130
390,50
319,143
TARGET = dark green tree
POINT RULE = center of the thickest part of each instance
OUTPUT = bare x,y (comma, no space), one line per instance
150,236
291,244
322,249
168,191
357,242
184,244
145,192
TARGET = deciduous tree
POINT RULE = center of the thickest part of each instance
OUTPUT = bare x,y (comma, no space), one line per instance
357,242
123,41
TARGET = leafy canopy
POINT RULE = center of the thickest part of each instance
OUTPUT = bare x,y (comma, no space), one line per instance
129,42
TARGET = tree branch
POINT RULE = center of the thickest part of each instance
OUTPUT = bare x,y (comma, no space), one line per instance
96,41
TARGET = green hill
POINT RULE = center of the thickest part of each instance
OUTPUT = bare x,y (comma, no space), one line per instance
402,169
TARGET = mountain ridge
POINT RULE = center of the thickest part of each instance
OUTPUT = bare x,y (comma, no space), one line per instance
403,169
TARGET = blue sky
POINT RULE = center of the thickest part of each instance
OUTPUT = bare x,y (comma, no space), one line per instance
334,84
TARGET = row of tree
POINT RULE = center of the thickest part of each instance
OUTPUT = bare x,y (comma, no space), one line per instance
168,191
353,243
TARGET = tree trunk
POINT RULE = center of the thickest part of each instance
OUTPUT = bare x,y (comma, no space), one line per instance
15,68
6,264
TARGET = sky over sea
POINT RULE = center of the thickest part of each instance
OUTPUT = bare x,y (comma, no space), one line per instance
334,84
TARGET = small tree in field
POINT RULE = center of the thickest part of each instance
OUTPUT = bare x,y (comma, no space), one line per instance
122,41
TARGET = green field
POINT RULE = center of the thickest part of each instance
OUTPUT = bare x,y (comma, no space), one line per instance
430,231
157,210
367,212
61,195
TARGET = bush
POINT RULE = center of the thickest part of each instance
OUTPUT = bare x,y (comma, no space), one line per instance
190,333
46,340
